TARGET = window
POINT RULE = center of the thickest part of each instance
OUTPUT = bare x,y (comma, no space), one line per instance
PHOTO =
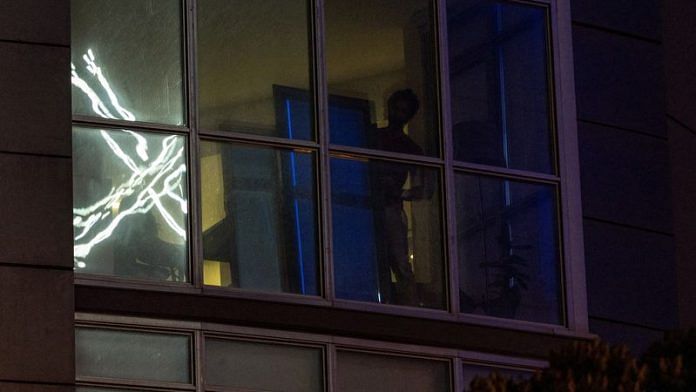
349,153
116,353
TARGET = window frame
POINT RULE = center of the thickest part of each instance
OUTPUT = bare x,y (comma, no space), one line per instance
566,179
329,345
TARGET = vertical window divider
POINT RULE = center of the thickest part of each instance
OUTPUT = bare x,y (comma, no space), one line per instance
331,363
199,359
448,155
458,375
321,116
571,222
195,236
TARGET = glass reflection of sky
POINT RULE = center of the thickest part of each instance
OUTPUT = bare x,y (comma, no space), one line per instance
150,182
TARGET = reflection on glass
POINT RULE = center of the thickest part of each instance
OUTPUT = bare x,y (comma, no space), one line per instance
260,366
254,68
373,49
130,204
132,355
380,373
509,255
387,241
472,371
127,60
259,218
498,64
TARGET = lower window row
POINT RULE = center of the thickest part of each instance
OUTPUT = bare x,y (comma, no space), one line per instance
123,359
259,224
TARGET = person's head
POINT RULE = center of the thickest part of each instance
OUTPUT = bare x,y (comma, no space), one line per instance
402,105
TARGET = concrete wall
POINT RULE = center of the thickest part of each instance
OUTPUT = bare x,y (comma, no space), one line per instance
625,164
36,289
680,56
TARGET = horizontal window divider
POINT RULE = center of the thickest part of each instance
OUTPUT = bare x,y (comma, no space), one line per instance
475,168
520,325
265,339
498,361
241,332
227,136
135,284
241,293
94,122
96,320
395,310
387,348
104,382
532,2
337,150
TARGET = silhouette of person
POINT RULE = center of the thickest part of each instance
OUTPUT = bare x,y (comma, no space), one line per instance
388,181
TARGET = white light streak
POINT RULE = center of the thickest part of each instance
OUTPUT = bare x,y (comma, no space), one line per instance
150,181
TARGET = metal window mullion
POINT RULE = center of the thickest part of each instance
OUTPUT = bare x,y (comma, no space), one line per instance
457,375
574,286
331,366
368,153
195,236
321,100
450,211
199,359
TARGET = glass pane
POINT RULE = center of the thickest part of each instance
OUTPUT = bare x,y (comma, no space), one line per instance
254,67
387,237
377,373
509,255
130,204
380,59
259,218
473,371
267,367
132,355
499,84
127,60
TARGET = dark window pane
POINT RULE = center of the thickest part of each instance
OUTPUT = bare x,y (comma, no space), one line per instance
259,218
508,249
472,371
374,49
377,373
260,366
498,64
132,355
130,204
254,67
387,240
127,60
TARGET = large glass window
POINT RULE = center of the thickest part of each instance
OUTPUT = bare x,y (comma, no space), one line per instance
387,232
499,72
508,248
127,60
130,198
312,138
132,355
259,218
261,366
383,54
360,371
251,55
